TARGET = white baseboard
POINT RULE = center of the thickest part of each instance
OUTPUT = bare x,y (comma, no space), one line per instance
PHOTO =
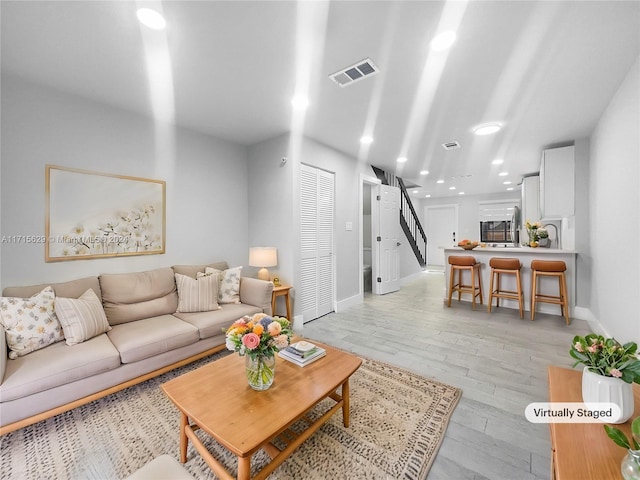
584,313
411,277
349,302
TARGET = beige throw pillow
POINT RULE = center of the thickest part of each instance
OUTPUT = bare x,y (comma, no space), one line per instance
199,294
82,318
30,323
229,291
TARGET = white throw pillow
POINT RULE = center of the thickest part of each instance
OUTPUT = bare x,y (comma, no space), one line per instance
199,294
82,318
229,291
30,323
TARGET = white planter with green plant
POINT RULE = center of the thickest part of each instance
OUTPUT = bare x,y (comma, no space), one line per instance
610,370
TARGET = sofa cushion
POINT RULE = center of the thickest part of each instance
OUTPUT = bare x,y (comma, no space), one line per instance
71,289
30,323
151,336
81,318
133,296
229,291
58,364
197,295
192,270
210,324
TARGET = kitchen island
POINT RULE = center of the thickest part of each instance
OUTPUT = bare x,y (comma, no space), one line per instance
525,255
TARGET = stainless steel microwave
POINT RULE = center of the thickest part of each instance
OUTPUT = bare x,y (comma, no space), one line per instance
496,231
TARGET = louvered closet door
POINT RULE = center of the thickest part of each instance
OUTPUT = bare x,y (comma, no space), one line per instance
316,242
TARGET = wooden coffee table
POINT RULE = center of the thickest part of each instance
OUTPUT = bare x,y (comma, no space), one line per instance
217,399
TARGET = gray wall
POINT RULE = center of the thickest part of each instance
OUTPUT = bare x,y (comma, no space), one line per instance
468,223
582,237
271,203
615,213
206,181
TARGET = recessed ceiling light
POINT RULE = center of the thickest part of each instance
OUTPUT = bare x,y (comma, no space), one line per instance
503,174
506,183
443,40
440,181
487,128
510,188
427,196
366,139
415,192
300,102
151,18
460,193
452,188
424,172
402,159
498,161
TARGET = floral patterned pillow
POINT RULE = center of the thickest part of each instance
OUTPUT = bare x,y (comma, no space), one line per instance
30,323
229,291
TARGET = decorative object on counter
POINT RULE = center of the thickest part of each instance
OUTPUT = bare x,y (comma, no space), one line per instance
630,466
532,231
610,369
259,338
467,244
543,237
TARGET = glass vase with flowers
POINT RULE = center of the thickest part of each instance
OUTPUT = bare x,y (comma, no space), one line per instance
258,338
532,231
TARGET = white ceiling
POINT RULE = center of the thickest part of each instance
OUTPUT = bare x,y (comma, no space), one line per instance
544,69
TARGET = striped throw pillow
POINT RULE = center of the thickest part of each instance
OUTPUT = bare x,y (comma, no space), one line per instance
82,318
197,295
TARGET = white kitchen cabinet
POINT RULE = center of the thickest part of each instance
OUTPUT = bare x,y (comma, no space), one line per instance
530,199
557,183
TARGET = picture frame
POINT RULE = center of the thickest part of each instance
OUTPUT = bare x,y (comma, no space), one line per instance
100,215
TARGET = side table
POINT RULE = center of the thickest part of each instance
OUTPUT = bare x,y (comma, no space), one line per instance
583,450
282,291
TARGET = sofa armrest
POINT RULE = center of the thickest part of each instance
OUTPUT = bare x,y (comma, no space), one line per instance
257,293
3,353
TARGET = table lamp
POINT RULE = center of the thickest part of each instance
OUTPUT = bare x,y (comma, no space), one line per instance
263,257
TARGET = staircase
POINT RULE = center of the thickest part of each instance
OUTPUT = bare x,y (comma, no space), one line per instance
408,217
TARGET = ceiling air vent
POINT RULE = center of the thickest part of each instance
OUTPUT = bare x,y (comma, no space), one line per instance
450,145
358,71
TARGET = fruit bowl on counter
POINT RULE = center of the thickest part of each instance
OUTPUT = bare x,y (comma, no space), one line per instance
467,244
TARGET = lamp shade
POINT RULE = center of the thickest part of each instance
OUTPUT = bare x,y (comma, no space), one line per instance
263,256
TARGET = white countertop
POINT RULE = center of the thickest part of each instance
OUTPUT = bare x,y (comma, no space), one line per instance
523,250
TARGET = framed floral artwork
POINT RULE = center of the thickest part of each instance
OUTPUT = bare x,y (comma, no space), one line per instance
97,215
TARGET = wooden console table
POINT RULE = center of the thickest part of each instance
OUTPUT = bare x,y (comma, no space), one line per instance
583,450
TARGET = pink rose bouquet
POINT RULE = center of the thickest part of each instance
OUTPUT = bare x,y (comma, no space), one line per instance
259,335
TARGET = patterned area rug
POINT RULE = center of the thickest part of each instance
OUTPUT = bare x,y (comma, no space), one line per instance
398,420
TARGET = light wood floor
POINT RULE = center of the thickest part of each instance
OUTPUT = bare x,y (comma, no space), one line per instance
498,360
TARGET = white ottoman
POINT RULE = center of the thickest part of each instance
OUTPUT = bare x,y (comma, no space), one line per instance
164,467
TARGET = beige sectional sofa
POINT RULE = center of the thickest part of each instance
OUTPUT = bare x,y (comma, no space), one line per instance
146,336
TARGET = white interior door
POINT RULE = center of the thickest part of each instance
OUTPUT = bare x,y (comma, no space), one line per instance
441,227
385,214
316,295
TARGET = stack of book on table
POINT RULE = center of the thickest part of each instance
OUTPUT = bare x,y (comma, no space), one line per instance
302,353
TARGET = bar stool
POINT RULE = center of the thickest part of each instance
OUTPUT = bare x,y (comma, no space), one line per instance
460,264
549,268
510,266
